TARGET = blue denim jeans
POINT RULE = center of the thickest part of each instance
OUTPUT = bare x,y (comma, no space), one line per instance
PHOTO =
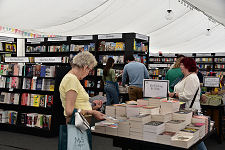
201,146
111,94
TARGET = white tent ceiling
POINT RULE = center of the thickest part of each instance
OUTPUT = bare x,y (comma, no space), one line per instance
185,33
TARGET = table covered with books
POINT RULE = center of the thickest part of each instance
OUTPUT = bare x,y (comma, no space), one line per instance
153,123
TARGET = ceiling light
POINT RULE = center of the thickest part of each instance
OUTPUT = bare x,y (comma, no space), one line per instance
169,14
208,32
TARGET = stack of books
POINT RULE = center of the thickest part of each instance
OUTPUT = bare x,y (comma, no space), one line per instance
143,102
169,107
100,127
121,111
184,141
152,129
165,137
133,110
156,101
175,125
200,127
150,110
110,111
202,119
112,129
124,128
191,132
162,118
137,124
183,115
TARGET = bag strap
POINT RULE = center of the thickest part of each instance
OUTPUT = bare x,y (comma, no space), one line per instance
72,120
194,98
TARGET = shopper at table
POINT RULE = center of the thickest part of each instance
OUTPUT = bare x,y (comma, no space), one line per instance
136,72
72,93
174,75
110,83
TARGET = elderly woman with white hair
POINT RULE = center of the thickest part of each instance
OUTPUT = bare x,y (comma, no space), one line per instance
72,93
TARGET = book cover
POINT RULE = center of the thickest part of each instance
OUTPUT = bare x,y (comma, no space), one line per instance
42,101
49,101
39,84
43,71
36,101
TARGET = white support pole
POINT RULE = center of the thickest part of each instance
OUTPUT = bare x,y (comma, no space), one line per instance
20,47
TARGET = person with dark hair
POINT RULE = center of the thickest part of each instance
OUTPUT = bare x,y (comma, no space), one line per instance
136,72
189,86
111,86
199,74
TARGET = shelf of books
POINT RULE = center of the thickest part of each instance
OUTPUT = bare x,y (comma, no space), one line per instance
7,48
26,98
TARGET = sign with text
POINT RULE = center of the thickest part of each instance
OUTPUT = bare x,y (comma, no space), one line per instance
155,88
58,39
6,39
142,37
82,37
35,40
16,59
211,81
157,65
110,36
48,59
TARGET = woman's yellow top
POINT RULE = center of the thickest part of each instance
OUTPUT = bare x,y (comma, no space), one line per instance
70,82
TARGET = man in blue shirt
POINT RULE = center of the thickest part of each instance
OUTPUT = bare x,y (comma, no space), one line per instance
136,72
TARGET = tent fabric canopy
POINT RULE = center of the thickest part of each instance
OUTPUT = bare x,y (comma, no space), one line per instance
184,33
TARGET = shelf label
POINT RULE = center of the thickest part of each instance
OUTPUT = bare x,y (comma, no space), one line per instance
211,81
64,38
6,39
155,88
157,65
203,54
48,59
16,59
34,78
110,36
11,89
35,40
142,37
82,37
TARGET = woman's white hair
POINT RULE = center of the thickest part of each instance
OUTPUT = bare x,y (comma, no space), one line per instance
83,59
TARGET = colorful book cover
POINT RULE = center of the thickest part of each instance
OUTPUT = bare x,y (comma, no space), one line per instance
36,101
43,71
42,101
49,101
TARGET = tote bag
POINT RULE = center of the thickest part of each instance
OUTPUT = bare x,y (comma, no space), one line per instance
71,138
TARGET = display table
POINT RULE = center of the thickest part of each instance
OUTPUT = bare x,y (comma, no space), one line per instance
216,113
128,143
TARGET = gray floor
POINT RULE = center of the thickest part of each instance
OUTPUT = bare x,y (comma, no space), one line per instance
17,141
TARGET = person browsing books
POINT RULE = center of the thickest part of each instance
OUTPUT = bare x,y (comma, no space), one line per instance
111,86
174,75
186,89
72,93
136,72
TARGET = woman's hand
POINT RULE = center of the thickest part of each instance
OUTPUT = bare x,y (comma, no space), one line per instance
98,104
171,94
98,115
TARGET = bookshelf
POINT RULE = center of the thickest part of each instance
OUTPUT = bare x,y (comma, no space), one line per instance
27,101
8,47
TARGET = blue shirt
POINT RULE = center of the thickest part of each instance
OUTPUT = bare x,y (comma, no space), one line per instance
136,72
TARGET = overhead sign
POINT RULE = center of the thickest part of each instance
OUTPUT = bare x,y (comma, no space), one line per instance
6,39
82,37
48,59
35,40
57,38
211,81
142,37
110,36
155,88
16,59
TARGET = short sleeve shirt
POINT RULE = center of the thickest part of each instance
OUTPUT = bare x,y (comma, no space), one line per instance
70,82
